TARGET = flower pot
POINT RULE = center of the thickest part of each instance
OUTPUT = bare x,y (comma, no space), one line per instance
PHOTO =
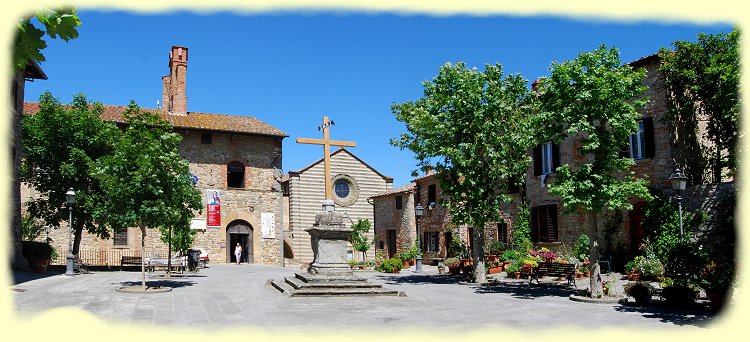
405,264
579,275
454,270
634,276
39,265
587,273
716,300
517,275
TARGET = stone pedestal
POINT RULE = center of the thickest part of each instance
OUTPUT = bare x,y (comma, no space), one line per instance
329,237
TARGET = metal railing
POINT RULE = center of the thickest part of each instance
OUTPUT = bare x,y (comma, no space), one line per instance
106,257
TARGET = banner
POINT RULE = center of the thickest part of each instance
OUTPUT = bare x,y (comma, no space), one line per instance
213,208
267,225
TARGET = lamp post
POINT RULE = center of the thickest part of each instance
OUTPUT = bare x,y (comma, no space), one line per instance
70,197
679,183
418,211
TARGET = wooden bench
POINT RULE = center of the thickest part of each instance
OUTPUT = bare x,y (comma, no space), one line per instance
177,264
554,269
130,261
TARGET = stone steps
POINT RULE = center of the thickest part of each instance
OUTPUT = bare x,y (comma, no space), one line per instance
302,285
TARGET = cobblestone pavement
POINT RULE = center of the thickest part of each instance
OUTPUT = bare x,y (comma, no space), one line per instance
230,295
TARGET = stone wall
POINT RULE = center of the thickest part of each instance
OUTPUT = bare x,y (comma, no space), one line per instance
387,217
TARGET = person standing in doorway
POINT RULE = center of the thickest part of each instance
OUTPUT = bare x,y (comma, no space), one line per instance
238,253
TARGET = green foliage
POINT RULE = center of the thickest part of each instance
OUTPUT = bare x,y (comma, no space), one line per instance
582,247
146,181
514,266
61,147
452,262
597,97
37,250
661,224
30,228
497,247
702,78
358,238
472,128
29,42
641,291
389,266
458,248
521,239
510,254
647,265
408,254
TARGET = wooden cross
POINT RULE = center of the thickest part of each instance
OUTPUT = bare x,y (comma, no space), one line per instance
326,142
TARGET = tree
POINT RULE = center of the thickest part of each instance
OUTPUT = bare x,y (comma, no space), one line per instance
29,42
702,78
145,180
359,239
593,97
61,147
473,126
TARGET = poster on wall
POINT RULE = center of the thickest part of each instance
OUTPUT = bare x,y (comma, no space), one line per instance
198,224
213,208
267,225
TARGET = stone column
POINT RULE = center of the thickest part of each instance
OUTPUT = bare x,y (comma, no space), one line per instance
329,237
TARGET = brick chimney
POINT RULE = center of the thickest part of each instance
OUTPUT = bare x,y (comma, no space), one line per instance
174,98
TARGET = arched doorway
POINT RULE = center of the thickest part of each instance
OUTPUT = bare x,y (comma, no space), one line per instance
239,231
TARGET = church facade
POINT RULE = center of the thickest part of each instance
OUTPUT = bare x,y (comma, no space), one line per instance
353,182
236,163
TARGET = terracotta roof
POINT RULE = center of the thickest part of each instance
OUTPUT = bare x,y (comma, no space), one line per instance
406,188
193,120
425,176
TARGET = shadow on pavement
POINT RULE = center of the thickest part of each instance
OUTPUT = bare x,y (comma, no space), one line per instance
523,290
420,279
22,277
698,315
159,283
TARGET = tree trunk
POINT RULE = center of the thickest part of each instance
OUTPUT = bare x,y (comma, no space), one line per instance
143,254
77,235
480,277
595,280
169,251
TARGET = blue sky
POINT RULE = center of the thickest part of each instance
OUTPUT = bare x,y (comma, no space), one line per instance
290,69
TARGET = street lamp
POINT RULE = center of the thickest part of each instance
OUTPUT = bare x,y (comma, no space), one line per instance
418,211
679,183
70,197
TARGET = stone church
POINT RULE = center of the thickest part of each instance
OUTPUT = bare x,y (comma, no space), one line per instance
353,182
236,163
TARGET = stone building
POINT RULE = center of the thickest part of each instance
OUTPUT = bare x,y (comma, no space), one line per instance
236,159
395,220
654,148
353,182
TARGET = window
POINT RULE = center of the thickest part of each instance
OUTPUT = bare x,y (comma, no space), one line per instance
544,223
546,158
120,238
206,138
502,232
341,187
641,144
399,203
235,175
431,196
430,241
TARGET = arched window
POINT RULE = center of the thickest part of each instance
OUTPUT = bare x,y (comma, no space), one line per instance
235,175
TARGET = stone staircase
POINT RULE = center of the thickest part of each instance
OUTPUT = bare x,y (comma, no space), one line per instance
305,285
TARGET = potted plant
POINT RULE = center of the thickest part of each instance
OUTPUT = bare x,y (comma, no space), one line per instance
514,268
495,249
716,281
39,255
584,267
392,265
453,264
641,291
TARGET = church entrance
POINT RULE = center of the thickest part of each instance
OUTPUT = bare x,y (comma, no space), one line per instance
240,232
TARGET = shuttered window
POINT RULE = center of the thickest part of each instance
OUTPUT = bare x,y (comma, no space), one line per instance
641,144
544,223
120,238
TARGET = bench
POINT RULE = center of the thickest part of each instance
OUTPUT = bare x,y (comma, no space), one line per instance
178,264
554,269
130,261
